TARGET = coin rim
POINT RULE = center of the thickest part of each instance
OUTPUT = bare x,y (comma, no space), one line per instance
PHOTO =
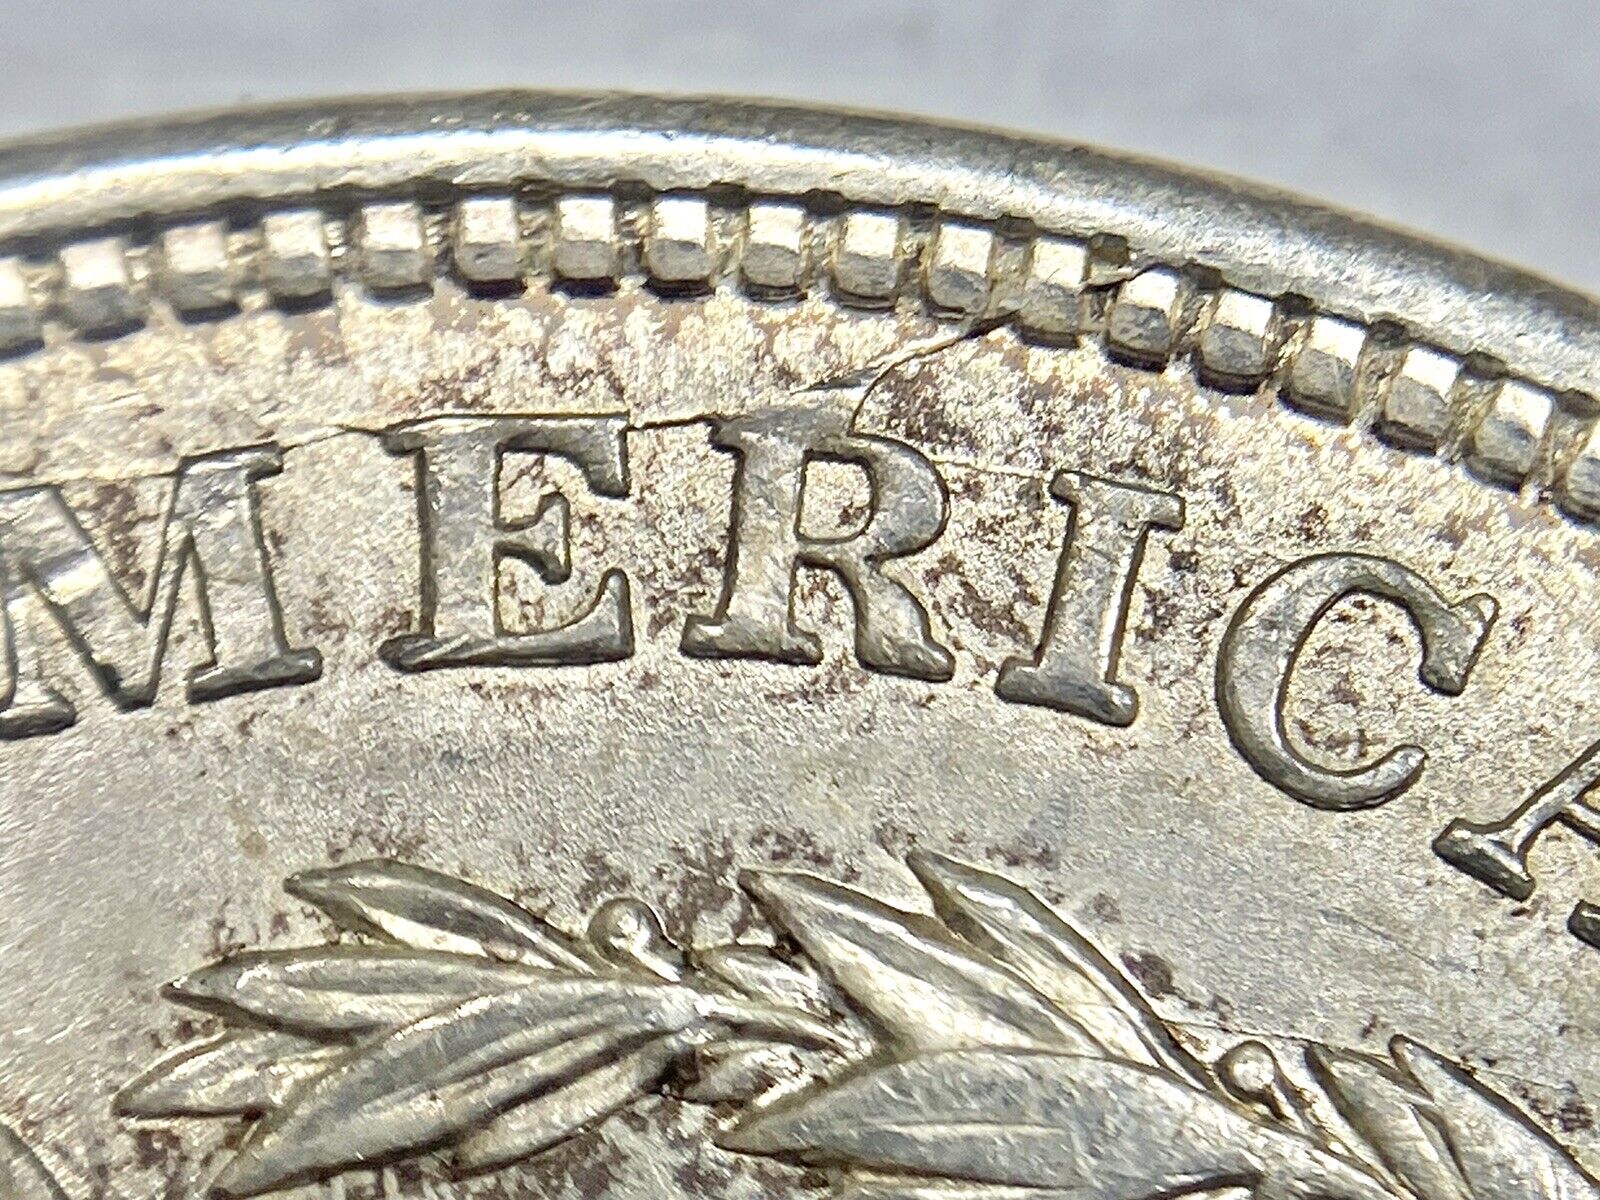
439,146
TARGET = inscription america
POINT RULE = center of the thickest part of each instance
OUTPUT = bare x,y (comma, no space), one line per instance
465,540
1075,665
909,507
1261,646
213,530
212,533
1496,852
212,544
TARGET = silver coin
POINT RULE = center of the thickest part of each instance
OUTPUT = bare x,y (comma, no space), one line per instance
590,647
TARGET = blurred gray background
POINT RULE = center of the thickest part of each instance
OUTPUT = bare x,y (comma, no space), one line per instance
1475,120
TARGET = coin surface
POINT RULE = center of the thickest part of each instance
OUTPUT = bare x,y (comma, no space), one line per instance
603,647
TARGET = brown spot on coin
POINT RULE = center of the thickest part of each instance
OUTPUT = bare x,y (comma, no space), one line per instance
635,647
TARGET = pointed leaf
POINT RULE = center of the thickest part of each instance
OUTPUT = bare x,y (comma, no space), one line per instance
22,1175
564,1112
741,1071
927,988
450,1073
1393,1118
867,1188
1018,929
238,1073
427,910
1113,1129
755,971
429,1082
341,991
1502,1153
888,1187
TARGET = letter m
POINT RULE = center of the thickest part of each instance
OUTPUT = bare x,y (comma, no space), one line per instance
212,529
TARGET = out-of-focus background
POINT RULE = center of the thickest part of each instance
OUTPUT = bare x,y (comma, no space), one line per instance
1475,120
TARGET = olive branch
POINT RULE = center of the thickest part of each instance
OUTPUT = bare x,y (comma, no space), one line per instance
985,1050
22,1175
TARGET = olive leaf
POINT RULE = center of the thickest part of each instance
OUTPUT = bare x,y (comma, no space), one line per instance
754,971
549,1119
427,910
741,1071
343,991
235,1074
1014,926
927,988
757,972
1104,1127
429,1082
1501,1153
868,1188
1386,1111
22,1175
1441,1132
988,1052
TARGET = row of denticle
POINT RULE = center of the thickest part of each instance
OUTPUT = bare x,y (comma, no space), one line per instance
1051,288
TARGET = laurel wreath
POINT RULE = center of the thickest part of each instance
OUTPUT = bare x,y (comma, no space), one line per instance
985,1050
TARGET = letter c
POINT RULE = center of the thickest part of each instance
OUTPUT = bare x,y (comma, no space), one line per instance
1267,635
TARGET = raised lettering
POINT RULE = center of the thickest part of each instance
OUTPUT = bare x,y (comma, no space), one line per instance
465,540
1074,667
213,524
1496,852
909,504
1261,646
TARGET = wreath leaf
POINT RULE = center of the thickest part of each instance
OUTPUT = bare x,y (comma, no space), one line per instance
870,1187
546,1121
754,971
1502,1154
741,1071
1114,1129
344,991
22,1175
989,1052
1393,1118
447,1074
927,988
1014,926
237,1074
427,910
853,1188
